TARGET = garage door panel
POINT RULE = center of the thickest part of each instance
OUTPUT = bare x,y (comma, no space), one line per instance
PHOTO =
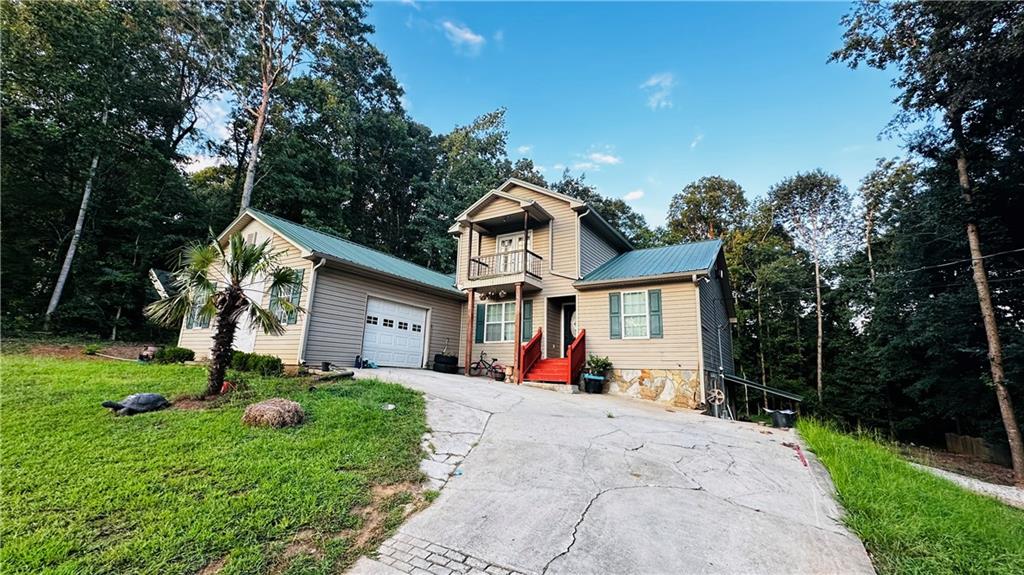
394,333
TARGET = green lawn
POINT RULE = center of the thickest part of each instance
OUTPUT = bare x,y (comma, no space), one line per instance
169,492
912,521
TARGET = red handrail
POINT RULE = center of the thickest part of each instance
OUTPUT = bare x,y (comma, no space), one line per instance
577,357
529,354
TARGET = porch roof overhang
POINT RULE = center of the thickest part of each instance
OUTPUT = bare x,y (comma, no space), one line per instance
506,220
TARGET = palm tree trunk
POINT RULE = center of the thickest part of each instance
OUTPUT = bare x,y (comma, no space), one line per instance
69,257
223,338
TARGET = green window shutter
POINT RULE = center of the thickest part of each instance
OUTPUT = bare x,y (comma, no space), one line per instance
654,309
296,298
527,320
615,315
478,333
204,322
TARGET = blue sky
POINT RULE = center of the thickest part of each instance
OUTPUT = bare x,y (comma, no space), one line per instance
645,98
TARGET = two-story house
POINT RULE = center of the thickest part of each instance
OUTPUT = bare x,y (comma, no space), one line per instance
541,281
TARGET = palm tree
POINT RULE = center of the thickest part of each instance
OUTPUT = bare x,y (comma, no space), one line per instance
211,284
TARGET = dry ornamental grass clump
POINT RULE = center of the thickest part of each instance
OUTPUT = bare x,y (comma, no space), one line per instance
274,412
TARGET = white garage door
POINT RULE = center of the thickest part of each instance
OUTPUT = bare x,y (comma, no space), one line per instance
394,333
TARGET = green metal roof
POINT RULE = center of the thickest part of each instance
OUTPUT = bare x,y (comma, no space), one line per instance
638,264
360,255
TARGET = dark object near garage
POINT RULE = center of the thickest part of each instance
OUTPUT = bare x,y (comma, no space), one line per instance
138,403
782,417
445,363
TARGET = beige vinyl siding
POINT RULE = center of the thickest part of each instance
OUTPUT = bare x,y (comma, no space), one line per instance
285,346
505,351
677,349
339,313
497,206
594,250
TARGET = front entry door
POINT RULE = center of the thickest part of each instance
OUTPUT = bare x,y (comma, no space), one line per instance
569,330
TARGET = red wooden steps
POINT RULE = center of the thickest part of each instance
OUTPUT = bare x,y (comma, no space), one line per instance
549,370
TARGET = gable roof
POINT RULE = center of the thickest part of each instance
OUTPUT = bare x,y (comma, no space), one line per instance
346,251
655,262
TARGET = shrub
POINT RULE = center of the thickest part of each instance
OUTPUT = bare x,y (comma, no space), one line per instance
257,363
598,365
92,349
173,354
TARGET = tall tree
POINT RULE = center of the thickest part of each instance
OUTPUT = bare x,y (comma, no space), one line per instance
707,208
889,178
274,38
961,61
813,207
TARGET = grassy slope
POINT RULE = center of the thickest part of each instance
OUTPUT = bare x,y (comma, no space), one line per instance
168,492
911,521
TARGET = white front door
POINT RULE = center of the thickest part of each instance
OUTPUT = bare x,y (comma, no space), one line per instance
245,333
394,333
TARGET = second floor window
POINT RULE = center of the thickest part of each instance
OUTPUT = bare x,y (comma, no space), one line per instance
500,322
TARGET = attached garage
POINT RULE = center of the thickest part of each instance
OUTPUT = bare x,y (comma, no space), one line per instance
358,302
394,334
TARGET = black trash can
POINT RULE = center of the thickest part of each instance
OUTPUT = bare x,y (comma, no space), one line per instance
782,417
593,383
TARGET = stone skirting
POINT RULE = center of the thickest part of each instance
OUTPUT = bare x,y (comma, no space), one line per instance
676,387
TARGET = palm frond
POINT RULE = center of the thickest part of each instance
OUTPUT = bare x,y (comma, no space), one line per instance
265,320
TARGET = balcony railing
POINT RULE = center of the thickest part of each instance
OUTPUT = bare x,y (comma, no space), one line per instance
506,264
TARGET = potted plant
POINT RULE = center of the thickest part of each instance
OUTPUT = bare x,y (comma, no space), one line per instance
595,374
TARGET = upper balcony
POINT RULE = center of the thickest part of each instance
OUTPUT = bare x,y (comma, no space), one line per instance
502,270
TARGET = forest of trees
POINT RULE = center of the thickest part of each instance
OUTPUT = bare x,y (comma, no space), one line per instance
863,295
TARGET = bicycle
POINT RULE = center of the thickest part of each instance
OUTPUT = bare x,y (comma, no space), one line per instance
492,368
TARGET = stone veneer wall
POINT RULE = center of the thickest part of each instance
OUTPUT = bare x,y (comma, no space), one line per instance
676,387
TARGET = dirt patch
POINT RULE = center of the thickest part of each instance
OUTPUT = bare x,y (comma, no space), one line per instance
191,404
128,350
958,463
376,514
213,567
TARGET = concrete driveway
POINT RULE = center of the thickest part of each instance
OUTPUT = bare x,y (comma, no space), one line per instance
544,482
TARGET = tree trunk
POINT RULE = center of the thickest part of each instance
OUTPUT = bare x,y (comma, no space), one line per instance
65,268
254,148
760,345
988,315
817,296
869,218
223,338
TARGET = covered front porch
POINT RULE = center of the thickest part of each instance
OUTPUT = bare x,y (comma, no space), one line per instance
535,336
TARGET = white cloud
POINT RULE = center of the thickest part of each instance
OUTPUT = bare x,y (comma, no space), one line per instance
214,116
602,158
499,36
558,167
411,3
696,141
463,38
659,90
196,163
584,166
634,195
525,149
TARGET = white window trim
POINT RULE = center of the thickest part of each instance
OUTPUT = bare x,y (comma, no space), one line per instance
647,314
501,323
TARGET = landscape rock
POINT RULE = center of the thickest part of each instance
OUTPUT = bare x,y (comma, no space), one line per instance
274,412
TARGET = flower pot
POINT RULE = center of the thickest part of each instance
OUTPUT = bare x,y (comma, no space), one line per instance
593,383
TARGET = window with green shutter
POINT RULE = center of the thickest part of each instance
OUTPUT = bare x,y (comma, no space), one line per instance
615,315
478,330
654,309
294,297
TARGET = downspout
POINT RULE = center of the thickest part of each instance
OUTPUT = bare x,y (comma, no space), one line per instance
305,326
551,248
700,340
